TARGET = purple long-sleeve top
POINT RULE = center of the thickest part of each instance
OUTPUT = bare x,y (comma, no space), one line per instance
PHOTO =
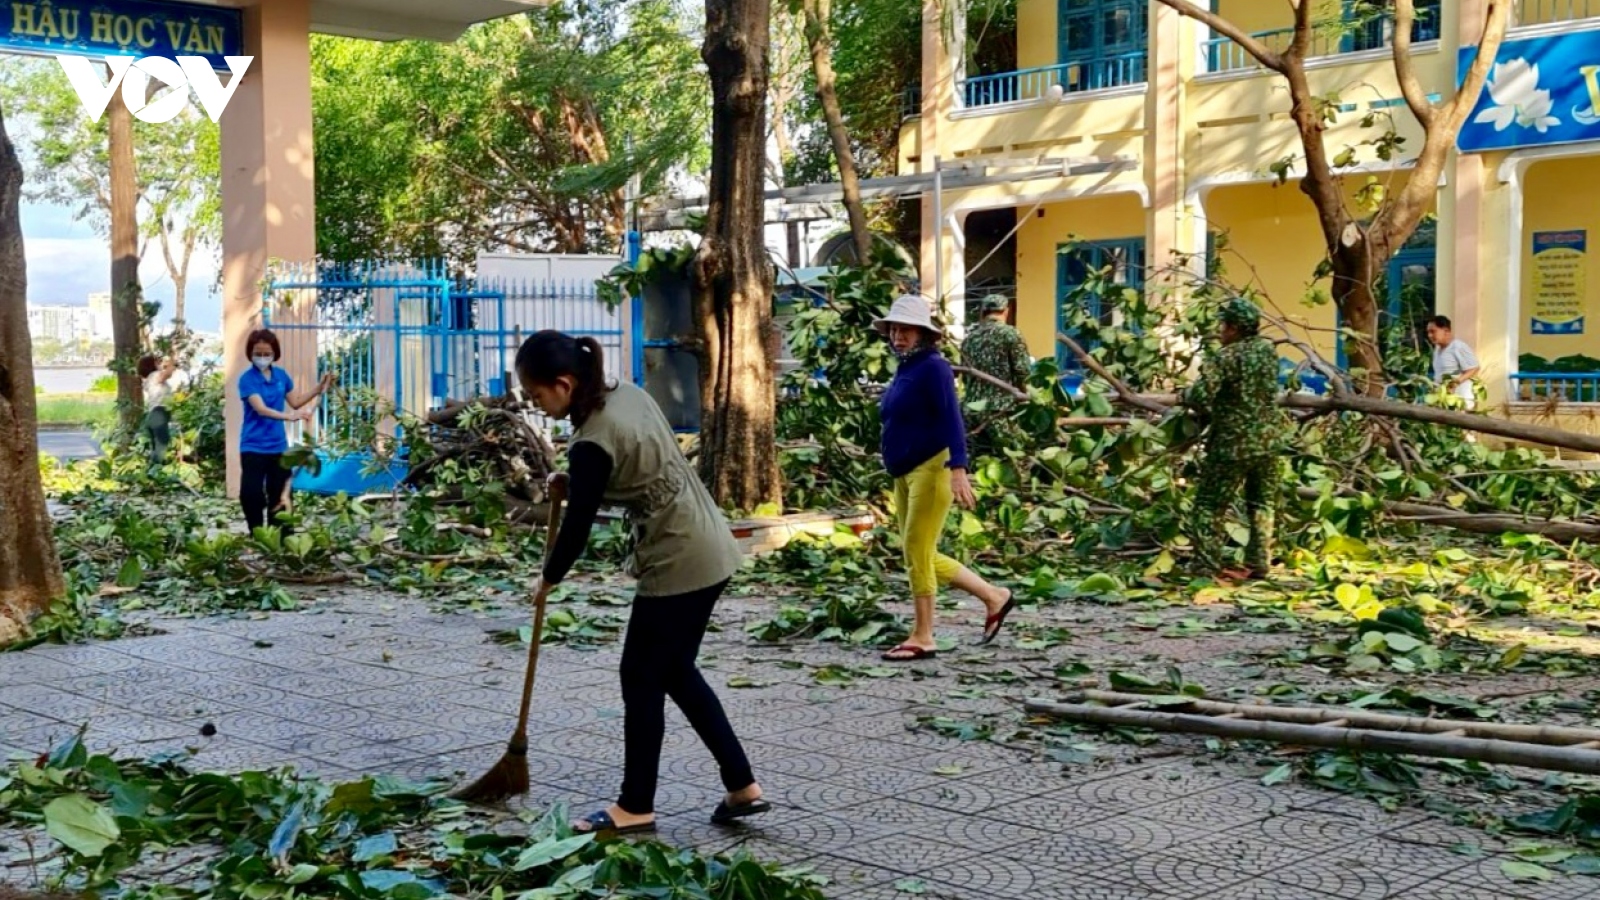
921,415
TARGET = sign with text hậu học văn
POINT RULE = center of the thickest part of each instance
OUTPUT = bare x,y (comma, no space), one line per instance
1540,91
101,28
180,46
1560,282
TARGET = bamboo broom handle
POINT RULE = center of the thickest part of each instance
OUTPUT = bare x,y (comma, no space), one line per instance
1533,756
1558,735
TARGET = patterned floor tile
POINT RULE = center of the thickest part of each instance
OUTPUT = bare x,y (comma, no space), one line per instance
906,853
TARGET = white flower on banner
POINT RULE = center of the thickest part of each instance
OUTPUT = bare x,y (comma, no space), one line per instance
1514,88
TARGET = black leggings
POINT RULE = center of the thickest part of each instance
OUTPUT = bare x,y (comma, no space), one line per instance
261,487
658,657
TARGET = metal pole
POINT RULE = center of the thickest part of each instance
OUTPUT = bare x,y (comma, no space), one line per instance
938,234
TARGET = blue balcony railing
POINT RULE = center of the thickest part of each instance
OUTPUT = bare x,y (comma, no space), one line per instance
1223,55
1566,387
1073,77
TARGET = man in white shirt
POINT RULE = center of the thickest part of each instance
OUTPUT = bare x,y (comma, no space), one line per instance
1454,363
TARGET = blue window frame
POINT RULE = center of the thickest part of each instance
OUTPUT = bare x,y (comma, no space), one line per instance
1374,34
1123,257
1102,43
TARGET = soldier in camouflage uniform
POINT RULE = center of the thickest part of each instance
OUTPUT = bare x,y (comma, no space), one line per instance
1237,393
994,348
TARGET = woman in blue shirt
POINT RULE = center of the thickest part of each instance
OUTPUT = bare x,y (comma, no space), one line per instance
269,401
925,450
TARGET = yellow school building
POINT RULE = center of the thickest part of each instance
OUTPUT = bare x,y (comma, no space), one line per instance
1135,135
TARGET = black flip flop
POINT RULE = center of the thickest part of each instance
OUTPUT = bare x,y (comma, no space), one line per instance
725,814
993,623
912,651
600,822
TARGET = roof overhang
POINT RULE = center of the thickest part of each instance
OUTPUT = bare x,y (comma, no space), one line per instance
394,20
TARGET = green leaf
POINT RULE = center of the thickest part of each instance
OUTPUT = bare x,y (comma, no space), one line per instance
82,824
1124,681
1401,643
551,850
370,848
911,886
1279,775
131,574
1511,656
1526,871
301,874
1582,865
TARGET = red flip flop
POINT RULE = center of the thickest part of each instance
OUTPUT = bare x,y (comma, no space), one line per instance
995,621
910,653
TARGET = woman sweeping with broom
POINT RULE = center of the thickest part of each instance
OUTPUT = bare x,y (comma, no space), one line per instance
624,453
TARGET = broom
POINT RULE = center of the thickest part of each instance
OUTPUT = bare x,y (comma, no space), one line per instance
509,776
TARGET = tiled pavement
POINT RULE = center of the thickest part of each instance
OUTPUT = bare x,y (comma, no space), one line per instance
862,799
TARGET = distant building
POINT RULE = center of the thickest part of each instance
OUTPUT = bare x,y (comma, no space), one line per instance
100,312
66,324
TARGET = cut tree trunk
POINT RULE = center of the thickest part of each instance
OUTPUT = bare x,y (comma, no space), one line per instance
127,297
733,279
820,40
30,571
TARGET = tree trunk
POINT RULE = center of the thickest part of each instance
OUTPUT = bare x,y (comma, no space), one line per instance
733,279
821,43
1355,295
127,297
30,571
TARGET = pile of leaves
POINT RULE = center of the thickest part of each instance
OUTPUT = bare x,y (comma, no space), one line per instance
155,829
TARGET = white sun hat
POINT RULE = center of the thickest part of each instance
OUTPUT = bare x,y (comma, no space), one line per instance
908,309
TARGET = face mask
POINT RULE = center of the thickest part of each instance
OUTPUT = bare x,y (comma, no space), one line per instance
262,362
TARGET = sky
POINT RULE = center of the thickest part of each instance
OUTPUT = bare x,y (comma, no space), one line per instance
67,262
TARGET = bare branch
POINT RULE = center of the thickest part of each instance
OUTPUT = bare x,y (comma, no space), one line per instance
1262,53
1405,16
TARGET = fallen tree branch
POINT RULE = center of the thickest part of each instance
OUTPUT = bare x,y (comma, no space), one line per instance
1126,393
1096,422
990,379
1514,753
1559,530
1411,412
1558,735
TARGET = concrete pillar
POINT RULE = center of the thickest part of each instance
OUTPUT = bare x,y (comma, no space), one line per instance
942,41
1461,231
268,194
1169,224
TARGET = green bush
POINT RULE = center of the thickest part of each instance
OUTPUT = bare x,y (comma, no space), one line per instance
105,384
197,415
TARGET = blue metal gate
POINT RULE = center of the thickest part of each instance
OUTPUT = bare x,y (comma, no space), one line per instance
401,339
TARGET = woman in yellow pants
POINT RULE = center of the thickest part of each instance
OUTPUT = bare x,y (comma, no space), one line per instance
925,449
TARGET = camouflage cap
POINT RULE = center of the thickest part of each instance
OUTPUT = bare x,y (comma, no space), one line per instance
1242,314
994,303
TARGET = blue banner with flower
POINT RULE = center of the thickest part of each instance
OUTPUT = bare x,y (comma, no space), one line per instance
1541,90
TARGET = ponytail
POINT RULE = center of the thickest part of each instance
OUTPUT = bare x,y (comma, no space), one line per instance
548,355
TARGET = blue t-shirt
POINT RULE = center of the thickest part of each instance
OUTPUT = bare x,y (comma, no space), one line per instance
921,415
260,434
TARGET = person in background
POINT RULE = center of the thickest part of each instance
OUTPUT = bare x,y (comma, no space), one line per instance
162,379
925,451
624,453
1455,366
270,399
1237,393
994,348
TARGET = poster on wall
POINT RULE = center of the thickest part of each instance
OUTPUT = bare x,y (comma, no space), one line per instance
1560,269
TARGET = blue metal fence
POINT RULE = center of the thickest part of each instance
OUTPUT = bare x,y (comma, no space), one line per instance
1566,387
401,339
